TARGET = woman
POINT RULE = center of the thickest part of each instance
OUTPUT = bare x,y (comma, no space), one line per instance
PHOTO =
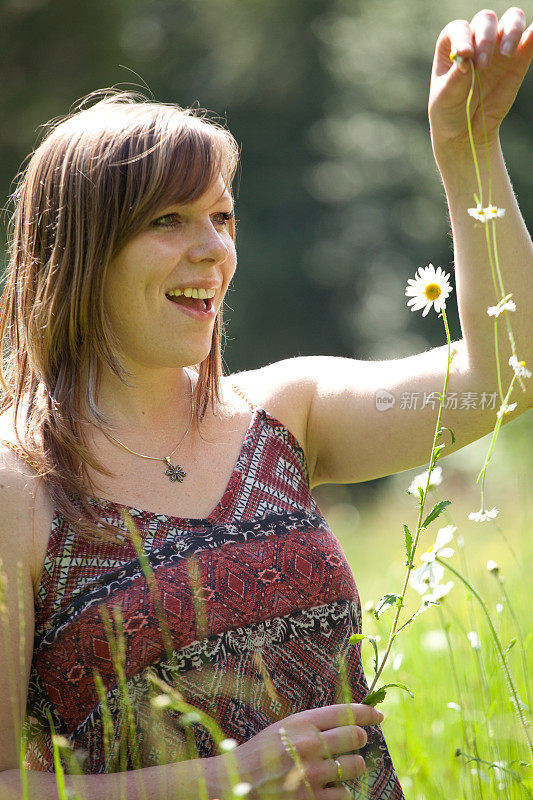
116,418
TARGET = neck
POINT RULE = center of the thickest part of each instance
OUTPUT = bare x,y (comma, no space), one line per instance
156,401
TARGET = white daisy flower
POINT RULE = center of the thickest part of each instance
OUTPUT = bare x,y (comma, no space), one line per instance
454,706
499,608
439,591
444,536
429,288
419,482
493,566
495,311
485,214
430,574
482,515
492,212
505,409
426,577
473,638
519,367
478,213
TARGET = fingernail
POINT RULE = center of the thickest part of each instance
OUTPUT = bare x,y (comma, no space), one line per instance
381,716
506,48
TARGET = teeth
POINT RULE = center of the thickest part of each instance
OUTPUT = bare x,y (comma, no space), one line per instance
203,294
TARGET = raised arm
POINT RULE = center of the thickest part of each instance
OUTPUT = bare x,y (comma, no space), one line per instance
501,50
348,435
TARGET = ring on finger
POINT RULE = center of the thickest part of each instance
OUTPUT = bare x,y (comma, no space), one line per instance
339,769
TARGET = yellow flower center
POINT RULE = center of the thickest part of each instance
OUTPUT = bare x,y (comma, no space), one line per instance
432,291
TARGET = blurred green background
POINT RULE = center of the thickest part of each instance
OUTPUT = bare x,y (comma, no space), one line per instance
339,203
339,198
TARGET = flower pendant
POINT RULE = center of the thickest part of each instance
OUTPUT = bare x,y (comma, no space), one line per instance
175,473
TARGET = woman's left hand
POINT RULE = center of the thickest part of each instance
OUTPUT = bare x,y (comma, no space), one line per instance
484,41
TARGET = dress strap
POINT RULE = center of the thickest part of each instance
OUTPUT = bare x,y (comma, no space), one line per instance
243,397
22,454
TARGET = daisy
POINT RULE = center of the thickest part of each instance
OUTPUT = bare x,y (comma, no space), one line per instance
478,213
429,288
426,577
492,212
484,214
439,591
495,311
505,409
419,482
493,566
482,515
519,367
444,536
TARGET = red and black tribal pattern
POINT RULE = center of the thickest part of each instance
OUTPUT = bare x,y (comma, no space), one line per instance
250,620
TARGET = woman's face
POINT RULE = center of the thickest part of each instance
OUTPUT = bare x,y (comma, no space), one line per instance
182,248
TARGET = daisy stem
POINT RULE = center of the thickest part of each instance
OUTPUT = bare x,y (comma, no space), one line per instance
499,649
419,526
496,351
471,136
492,445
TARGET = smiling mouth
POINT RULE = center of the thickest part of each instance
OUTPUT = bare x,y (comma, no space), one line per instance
195,303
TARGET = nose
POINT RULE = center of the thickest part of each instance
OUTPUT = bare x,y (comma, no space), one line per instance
207,245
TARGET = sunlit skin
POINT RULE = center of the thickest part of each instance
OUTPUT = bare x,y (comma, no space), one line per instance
181,246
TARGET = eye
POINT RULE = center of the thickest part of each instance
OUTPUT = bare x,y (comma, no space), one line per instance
166,221
224,217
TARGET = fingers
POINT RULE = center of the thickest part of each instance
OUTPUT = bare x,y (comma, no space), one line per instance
352,767
335,716
343,740
510,29
483,39
484,28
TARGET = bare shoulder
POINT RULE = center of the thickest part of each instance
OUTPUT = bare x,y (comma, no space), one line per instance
26,506
284,389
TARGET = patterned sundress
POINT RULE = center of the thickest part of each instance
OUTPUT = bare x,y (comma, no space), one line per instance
257,601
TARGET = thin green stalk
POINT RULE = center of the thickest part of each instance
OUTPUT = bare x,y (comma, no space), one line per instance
492,445
446,629
499,649
419,527
525,669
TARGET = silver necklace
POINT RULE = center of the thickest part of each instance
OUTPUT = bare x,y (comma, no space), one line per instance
174,472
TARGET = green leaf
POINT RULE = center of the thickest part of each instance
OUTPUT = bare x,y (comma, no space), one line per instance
408,542
437,509
424,607
437,452
378,696
444,428
421,495
388,600
357,637
510,645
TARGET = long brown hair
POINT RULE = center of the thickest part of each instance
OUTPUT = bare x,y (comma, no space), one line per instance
94,181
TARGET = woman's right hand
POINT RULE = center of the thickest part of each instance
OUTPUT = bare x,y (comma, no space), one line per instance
315,737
